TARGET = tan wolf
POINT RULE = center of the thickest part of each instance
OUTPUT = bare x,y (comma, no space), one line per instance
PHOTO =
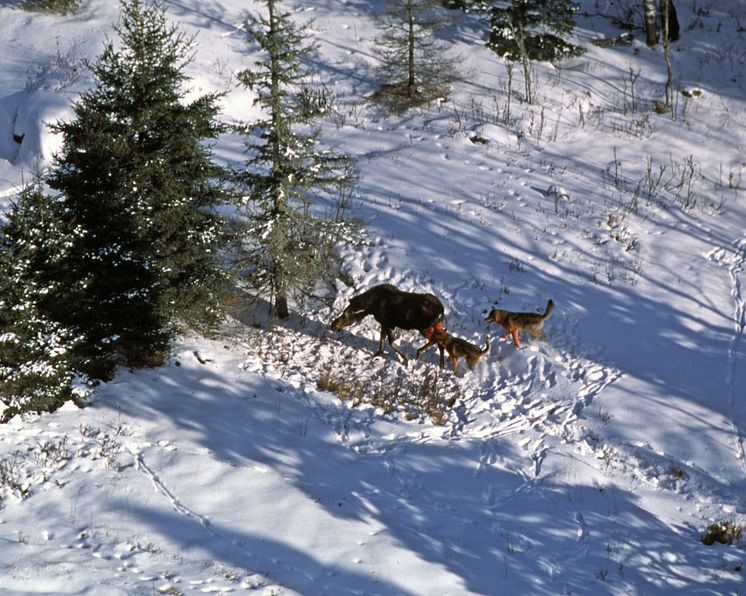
459,348
515,322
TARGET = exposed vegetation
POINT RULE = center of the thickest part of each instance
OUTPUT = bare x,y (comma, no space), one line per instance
56,6
421,393
723,532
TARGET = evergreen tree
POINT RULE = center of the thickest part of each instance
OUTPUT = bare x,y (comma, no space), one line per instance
525,30
38,357
415,64
137,191
287,246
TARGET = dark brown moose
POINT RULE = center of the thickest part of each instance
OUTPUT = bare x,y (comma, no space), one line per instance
392,308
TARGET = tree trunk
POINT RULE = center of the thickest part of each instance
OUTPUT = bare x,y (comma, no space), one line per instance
277,139
525,61
651,22
411,39
668,10
665,14
281,306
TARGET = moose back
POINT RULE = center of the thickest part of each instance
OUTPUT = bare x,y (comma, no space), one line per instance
392,308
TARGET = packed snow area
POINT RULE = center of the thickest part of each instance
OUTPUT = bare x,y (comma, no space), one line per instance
590,463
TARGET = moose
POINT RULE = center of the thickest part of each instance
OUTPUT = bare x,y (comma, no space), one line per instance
392,308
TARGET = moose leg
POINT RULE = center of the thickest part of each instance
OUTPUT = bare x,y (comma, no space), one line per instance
388,333
393,347
380,343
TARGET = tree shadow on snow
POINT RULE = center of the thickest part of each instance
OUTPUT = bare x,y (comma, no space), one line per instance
457,510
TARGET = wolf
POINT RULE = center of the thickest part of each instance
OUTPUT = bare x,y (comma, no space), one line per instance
515,322
459,348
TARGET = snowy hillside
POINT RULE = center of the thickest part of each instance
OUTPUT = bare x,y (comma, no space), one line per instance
592,463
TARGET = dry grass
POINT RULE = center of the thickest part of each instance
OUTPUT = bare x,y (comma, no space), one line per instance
417,394
398,97
62,7
724,532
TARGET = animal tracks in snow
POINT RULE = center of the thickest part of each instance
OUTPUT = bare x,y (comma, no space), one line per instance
540,394
177,505
539,391
733,260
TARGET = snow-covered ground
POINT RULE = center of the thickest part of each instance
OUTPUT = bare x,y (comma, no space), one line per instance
591,463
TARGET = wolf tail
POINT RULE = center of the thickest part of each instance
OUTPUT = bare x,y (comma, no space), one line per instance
486,345
550,308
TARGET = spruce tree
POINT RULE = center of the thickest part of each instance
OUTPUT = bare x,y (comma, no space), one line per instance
414,63
137,191
38,356
288,246
526,30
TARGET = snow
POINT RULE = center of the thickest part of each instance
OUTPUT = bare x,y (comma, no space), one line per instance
588,464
